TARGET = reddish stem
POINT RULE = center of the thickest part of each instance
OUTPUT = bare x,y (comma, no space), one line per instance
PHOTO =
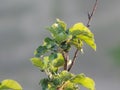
90,15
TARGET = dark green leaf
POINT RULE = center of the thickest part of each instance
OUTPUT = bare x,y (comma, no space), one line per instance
53,56
56,81
44,83
48,42
40,51
65,46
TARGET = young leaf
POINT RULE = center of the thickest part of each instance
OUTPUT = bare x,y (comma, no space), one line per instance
37,62
58,31
69,86
80,31
57,27
77,43
89,41
61,37
61,23
9,84
59,61
84,81
49,43
65,75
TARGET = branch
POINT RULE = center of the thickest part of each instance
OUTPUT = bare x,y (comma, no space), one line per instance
74,58
66,58
90,15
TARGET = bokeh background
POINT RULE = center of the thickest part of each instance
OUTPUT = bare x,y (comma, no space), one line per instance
22,29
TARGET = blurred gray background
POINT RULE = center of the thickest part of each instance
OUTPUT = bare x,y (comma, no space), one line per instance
22,29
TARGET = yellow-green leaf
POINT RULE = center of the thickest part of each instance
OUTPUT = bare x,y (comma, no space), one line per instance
37,62
80,31
89,41
81,27
10,84
59,61
88,83
84,81
77,42
61,23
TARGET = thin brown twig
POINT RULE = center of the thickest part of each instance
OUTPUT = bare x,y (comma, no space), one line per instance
90,15
74,58
66,57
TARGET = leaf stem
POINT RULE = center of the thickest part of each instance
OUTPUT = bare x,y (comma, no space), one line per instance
90,15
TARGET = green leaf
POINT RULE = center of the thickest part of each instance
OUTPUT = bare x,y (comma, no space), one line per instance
49,43
52,88
57,27
59,61
65,75
89,41
40,51
80,31
37,62
53,56
9,84
69,86
58,31
65,46
61,37
56,81
77,43
61,23
84,81
46,62
44,83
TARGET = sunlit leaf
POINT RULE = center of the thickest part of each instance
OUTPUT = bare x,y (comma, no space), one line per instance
61,37
65,75
57,27
9,84
37,62
61,23
77,43
46,62
89,41
59,61
58,31
84,81
69,86
80,31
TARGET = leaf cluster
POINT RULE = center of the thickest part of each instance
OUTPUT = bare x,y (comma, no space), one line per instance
52,56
